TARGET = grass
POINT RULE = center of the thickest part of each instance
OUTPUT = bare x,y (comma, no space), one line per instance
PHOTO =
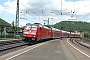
10,38
6,38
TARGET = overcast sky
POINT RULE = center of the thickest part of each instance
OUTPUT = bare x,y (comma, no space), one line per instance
39,10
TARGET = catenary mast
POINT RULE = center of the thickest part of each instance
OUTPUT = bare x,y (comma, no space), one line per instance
17,19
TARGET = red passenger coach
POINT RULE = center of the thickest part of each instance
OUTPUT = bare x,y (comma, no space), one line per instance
76,35
56,33
36,32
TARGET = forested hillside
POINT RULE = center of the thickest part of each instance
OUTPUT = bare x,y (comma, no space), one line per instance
4,23
73,25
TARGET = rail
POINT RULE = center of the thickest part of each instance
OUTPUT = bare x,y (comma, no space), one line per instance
6,46
79,41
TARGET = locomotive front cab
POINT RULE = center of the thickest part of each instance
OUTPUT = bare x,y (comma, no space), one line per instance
29,32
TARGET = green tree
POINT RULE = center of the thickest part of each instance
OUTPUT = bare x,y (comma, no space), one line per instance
86,34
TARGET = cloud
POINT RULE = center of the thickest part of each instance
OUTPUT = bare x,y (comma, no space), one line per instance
8,8
49,9
2,9
80,8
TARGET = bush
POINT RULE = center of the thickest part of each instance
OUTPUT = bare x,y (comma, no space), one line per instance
86,34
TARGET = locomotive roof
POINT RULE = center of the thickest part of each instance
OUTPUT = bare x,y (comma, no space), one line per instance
33,24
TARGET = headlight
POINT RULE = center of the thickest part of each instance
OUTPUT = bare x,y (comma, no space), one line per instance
33,36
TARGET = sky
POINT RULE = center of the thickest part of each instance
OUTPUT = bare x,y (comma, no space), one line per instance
38,11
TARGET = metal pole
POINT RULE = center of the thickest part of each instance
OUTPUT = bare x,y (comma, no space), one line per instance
5,31
61,9
61,19
17,19
48,21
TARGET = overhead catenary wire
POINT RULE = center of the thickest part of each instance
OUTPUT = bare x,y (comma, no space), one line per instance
27,11
73,11
33,11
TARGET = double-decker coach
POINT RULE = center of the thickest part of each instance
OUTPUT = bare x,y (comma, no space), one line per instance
56,33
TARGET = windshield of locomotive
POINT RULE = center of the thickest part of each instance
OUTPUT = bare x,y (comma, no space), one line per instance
31,27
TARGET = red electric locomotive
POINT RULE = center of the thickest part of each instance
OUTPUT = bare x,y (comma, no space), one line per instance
35,32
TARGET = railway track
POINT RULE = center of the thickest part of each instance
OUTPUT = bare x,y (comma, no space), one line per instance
87,45
82,42
13,45
86,40
9,46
